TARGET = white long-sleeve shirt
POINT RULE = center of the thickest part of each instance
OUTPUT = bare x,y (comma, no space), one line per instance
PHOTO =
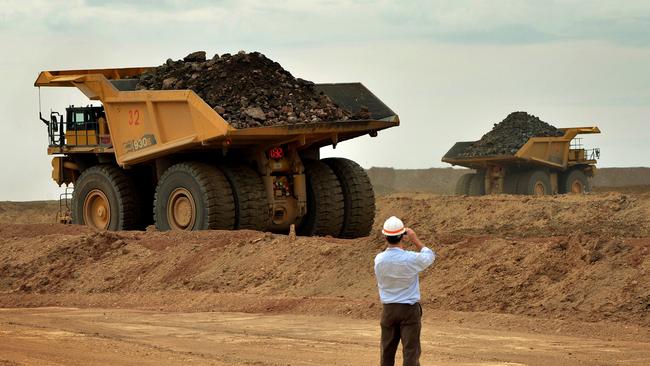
397,272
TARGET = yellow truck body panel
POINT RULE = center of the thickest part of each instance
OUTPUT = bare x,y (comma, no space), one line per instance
553,152
146,124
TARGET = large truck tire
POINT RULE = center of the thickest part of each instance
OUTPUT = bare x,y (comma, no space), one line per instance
477,184
462,184
574,181
510,182
104,198
251,204
325,205
358,197
194,196
535,183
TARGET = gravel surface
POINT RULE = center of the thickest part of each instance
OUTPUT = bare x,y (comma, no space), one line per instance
510,135
246,89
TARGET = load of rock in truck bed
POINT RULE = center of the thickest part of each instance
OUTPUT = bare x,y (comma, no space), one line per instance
509,135
247,89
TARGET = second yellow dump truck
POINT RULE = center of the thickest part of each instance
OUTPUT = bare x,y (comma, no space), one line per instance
166,157
542,166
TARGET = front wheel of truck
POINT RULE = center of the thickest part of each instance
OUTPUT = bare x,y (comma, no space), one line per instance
104,198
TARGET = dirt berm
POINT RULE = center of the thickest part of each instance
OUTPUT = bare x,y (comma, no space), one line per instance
573,257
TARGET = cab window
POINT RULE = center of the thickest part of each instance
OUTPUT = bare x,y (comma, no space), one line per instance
79,118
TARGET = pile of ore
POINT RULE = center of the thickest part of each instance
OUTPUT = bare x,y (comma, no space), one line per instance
509,135
246,89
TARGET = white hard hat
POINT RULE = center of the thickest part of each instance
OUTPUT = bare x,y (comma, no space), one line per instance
393,227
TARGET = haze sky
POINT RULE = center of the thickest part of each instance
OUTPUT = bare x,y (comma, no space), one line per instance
449,69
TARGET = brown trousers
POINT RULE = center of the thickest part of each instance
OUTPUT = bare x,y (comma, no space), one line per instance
401,322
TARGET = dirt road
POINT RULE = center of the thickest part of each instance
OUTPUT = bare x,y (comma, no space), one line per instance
69,336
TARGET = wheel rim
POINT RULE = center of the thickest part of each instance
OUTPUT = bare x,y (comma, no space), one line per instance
181,210
540,189
97,210
577,187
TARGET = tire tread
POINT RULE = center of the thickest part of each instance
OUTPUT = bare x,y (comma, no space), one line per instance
358,196
325,212
128,210
251,204
462,184
219,208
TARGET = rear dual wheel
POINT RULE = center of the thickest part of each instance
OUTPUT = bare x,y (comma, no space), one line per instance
358,197
325,202
575,182
477,184
538,182
510,183
194,196
472,184
251,205
198,196
535,183
462,185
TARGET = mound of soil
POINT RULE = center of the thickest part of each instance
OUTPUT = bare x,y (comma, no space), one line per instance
510,135
604,214
571,257
246,89
570,277
29,212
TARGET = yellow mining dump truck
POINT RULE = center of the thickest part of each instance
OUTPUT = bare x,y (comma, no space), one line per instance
542,166
167,152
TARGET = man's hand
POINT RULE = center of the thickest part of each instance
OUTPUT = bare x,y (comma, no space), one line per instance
413,238
409,234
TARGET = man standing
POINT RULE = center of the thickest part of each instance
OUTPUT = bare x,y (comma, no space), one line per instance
397,272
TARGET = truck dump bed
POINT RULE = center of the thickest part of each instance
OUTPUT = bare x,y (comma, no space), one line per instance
146,124
540,151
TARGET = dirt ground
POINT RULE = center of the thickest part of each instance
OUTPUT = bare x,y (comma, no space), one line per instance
518,281
68,336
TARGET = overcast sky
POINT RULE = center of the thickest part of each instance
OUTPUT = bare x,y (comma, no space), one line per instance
450,69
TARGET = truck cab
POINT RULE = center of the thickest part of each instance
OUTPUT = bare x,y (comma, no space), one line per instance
83,126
